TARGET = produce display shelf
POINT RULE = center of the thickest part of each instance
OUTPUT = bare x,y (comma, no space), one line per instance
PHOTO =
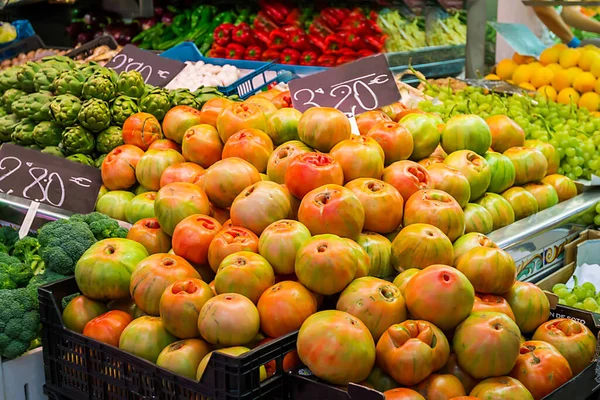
23,378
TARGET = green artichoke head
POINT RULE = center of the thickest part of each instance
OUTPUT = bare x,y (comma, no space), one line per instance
10,96
77,139
26,74
69,82
108,139
7,126
64,109
39,106
44,78
122,108
183,97
94,115
82,159
20,107
53,150
8,78
47,133
102,85
131,84
89,68
156,102
3,112
23,132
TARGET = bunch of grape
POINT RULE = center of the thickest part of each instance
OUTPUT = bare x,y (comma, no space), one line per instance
573,131
583,297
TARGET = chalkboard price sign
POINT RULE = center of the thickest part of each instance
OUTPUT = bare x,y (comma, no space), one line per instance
156,70
48,179
354,88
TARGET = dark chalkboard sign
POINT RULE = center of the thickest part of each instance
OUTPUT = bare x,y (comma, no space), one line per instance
48,179
156,70
354,88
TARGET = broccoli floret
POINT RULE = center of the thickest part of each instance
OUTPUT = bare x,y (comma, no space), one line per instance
67,299
26,250
101,225
18,272
44,279
63,243
19,321
8,237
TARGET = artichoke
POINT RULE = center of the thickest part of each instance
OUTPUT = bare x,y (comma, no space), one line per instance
39,106
53,150
23,133
44,78
108,139
82,159
64,109
20,107
156,102
3,112
183,97
98,161
10,96
123,107
7,126
69,82
26,74
62,61
47,134
131,84
101,85
77,139
94,115
89,68
8,79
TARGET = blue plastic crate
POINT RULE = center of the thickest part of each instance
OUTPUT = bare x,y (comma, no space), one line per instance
244,87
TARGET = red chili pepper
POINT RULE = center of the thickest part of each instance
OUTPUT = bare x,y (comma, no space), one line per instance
346,59
299,40
354,41
264,22
278,39
271,55
290,56
364,53
327,60
253,53
235,51
293,18
373,43
319,27
317,42
309,57
217,51
222,34
262,36
242,34
334,44
277,11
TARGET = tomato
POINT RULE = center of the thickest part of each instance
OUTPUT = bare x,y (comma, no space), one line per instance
246,273
502,388
212,108
238,116
490,302
80,311
183,357
192,237
145,337
309,171
281,158
451,181
402,394
541,368
228,241
419,246
107,328
381,381
229,320
118,168
322,128
182,172
529,304
179,200
369,119
227,178
453,368
360,157
440,387
280,242
395,140
147,232
140,207
252,145
164,144
152,165
407,177
202,145
382,203
141,130
490,269
178,120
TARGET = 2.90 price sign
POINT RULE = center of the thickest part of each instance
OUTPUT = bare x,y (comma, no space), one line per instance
363,85
48,179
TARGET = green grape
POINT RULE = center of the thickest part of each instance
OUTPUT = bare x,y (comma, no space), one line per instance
571,299
590,304
562,292
559,285
580,292
562,301
579,305
589,286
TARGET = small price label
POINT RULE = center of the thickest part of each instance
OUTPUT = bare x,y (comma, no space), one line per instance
48,179
354,88
156,70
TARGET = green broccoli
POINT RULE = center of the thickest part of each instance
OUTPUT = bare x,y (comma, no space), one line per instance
63,243
8,237
26,250
14,275
19,321
43,279
101,225
67,299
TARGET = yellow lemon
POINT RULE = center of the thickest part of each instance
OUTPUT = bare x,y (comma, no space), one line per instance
567,96
492,77
574,71
590,47
542,77
595,68
560,46
522,74
519,59
584,82
548,92
597,86
527,86
569,58
506,68
562,80
535,65
550,55
554,67
587,58
590,100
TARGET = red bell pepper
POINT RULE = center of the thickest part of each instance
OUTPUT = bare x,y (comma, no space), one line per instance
320,28
278,39
242,34
271,55
373,43
253,53
373,27
334,44
364,53
331,17
354,41
317,42
299,40
294,18
264,23
235,51
309,57
262,36
373,15
217,51
346,58
277,11
327,60
290,56
222,34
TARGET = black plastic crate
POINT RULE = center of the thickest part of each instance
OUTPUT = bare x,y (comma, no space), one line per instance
79,368
86,50
22,46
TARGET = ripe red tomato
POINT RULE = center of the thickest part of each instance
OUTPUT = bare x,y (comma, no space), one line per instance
108,327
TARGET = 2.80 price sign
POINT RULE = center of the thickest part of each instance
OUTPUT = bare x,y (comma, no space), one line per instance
47,179
354,88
